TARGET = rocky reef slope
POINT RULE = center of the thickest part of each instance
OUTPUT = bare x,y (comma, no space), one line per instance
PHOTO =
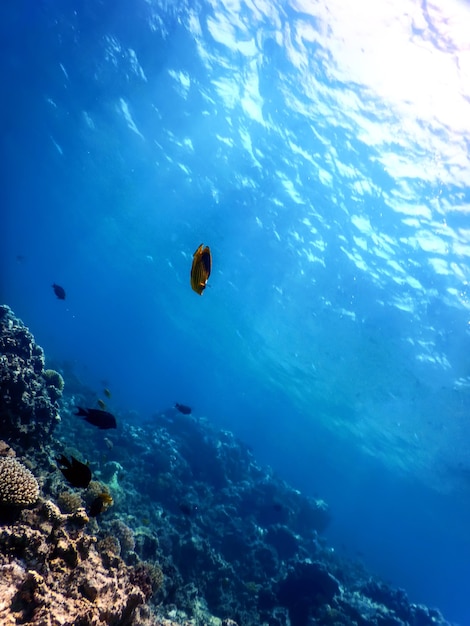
193,531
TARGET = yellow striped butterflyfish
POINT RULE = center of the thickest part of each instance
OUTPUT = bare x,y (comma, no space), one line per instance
201,268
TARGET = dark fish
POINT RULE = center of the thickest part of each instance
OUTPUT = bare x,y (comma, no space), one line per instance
187,509
96,507
100,504
77,474
201,268
97,417
59,291
182,408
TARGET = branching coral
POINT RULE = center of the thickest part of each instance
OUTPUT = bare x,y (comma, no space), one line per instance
18,486
69,501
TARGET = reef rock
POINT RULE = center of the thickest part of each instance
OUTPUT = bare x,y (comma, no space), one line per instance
199,531
52,573
28,409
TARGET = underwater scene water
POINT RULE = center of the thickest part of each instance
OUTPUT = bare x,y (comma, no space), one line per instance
321,151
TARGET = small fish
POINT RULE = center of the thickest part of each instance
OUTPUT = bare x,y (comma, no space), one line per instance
76,473
101,403
59,291
107,393
97,417
201,268
187,508
100,504
182,408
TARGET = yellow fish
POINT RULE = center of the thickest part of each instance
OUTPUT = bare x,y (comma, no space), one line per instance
201,268
107,498
107,393
101,403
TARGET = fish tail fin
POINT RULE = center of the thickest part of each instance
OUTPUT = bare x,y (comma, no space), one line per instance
81,412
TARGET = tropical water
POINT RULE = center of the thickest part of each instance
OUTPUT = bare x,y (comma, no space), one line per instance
321,151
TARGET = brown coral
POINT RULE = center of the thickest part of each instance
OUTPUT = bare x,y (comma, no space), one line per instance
109,544
6,450
51,573
18,486
148,577
124,534
69,501
54,383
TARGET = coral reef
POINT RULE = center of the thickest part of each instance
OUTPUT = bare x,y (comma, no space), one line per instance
232,539
55,383
191,529
51,573
306,586
124,534
18,486
28,413
69,501
6,450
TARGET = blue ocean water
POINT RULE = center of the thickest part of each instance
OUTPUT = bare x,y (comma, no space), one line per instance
322,153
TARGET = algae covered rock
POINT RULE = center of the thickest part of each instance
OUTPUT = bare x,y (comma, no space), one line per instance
28,413
52,573
55,383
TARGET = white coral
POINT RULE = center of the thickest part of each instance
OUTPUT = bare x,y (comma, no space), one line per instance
18,486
